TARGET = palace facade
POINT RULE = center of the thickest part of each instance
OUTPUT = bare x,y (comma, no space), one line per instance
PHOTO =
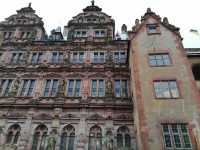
91,89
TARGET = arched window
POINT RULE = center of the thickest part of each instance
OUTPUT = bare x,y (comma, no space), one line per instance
67,138
95,138
39,138
123,138
13,134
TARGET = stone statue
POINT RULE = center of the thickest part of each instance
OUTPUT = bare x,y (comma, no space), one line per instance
15,87
61,89
109,88
109,143
51,143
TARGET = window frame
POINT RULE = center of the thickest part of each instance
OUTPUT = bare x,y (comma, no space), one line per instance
27,88
78,59
99,59
59,57
122,95
17,59
119,60
74,88
97,87
162,54
169,91
157,30
3,88
50,88
180,134
38,59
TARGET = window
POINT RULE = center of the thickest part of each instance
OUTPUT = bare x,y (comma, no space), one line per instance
27,88
40,138
159,59
5,87
123,138
13,134
95,138
77,57
57,58
17,58
119,57
7,35
51,88
166,89
99,33
74,88
121,88
98,57
67,138
98,88
152,28
36,58
80,34
176,136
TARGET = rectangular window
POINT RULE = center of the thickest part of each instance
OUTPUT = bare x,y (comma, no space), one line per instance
152,28
159,59
166,89
17,58
36,58
99,33
74,88
98,88
121,88
98,57
27,88
119,57
80,34
77,57
51,88
5,87
176,136
57,58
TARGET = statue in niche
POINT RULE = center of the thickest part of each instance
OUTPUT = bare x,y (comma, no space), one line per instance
51,143
61,89
109,59
109,88
15,88
109,141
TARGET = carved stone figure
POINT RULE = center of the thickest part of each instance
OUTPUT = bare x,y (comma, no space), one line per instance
108,88
51,143
15,88
61,89
109,143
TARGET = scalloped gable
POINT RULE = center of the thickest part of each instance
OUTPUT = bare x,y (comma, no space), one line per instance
138,25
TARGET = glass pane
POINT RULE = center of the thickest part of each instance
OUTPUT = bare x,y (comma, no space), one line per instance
43,142
167,139
54,57
124,88
186,140
34,58
117,88
35,141
119,140
47,88
31,87
101,88
9,137
159,60
98,143
16,137
71,143
70,88
78,88
54,88
165,128
177,141
63,142
7,87
60,59
24,87
91,143
127,141
173,89
183,128
166,59
152,60
81,57
40,58
94,88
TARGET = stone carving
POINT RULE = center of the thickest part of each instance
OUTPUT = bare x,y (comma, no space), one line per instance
15,88
51,143
109,141
109,88
61,89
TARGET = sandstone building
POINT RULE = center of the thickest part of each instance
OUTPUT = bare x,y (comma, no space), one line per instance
89,89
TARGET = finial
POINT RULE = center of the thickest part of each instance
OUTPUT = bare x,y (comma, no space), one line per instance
92,2
29,5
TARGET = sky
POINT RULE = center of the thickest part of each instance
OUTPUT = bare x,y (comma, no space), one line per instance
181,13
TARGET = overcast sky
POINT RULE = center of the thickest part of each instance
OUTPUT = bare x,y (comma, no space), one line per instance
182,13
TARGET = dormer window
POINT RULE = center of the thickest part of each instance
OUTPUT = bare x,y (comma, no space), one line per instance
99,33
80,34
153,29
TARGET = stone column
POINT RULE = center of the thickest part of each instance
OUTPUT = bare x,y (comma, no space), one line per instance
82,135
24,143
